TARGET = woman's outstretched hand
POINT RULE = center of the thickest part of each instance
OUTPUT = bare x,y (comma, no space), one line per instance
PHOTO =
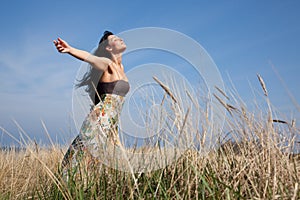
62,46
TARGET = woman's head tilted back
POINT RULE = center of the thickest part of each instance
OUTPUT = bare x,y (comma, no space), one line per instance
101,51
110,44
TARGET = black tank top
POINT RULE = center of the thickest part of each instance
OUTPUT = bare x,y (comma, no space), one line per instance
119,87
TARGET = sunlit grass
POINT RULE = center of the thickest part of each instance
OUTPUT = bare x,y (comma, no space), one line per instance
254,161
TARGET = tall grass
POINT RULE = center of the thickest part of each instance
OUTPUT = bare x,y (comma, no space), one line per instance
254,161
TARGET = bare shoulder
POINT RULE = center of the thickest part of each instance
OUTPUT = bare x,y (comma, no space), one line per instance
99,62
106,60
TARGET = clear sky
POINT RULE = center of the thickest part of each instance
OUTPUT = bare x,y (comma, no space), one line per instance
242,37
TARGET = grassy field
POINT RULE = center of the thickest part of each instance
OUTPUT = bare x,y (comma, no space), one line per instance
256,163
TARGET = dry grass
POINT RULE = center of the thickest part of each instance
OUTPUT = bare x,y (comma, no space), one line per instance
255,163
26,171
242,170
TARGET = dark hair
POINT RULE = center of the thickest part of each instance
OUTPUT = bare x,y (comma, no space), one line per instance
92,76
101,50
105,36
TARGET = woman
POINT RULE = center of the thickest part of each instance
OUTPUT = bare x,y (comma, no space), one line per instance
100,127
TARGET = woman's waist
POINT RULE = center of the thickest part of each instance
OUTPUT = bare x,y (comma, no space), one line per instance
110,99
110,92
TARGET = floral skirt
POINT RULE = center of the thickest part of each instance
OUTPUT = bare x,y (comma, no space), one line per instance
98,132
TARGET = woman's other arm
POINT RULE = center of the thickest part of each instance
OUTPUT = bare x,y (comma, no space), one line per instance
100,63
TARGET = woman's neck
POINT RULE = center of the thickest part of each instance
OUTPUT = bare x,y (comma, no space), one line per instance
117,58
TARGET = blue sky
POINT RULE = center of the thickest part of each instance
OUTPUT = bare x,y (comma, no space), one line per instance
242,37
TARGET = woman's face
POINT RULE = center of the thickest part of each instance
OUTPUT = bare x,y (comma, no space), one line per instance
116,44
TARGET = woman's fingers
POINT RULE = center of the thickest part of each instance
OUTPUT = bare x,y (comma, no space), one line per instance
58,41
58,46
61,45
61,41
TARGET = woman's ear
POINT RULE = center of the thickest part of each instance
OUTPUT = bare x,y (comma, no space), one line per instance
108,48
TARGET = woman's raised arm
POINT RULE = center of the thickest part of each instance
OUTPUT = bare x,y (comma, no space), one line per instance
100,63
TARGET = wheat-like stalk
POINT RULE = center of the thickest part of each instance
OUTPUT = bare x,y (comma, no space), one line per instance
263,85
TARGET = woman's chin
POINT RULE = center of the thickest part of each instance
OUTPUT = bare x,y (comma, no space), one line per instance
123,48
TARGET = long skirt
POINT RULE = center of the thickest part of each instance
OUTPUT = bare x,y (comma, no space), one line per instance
98,131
